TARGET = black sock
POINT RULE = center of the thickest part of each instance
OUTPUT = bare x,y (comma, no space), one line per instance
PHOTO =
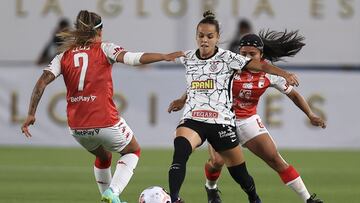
178,167
240,174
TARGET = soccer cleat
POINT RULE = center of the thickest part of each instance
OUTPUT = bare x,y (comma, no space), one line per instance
313,199
258,200
109,197
213,195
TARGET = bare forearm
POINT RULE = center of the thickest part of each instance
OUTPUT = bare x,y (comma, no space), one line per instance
151,57
46,78
300,102
265,67
35,97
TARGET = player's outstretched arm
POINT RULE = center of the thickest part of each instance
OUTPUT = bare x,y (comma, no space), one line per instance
46,78
291,78
140,58
177,104
300,102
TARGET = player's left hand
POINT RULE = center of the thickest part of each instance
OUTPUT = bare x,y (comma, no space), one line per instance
173,56
176,105
292,79
317,121
30,120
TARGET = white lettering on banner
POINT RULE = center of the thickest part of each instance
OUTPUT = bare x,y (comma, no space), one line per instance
205,114
90,98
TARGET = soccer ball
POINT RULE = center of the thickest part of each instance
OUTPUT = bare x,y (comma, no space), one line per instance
154,194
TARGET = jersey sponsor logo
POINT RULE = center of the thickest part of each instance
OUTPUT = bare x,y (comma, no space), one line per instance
88,132
202,85
246,94
248,85
81,98
228,133
205,114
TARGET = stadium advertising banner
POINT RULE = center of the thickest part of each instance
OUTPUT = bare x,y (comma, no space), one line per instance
331,27
143,95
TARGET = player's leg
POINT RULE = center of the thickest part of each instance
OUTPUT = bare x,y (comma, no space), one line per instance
102,168
212,172
102,165
264,147
226,142
120,138
185,142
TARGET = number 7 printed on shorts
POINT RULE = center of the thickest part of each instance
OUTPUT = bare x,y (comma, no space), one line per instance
84,67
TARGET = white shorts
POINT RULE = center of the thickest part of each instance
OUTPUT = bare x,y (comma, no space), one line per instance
114,138
248,128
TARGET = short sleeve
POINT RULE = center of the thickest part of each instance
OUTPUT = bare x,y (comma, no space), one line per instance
237,61
111,51
55,65
279,83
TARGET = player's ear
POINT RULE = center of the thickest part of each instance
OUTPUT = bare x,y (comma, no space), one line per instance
99,32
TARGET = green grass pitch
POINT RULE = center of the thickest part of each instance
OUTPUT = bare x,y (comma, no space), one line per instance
65,175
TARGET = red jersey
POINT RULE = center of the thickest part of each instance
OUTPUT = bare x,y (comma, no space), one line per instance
248,88
87,73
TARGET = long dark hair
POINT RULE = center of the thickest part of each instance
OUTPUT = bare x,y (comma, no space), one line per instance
87,26
281,44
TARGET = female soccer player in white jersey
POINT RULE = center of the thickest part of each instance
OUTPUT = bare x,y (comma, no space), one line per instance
248,86
207,114
86,63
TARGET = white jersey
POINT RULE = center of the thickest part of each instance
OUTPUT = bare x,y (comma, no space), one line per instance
209,84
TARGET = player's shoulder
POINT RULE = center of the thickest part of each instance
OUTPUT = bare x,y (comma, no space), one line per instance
190,53
274,78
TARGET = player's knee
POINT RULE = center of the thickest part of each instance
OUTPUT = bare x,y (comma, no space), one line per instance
103,162
182,150
138,152
217,162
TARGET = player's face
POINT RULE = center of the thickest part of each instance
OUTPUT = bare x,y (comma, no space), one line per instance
207,38
251,52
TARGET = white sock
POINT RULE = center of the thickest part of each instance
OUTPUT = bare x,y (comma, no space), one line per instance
211,184
103,178
299,187
123,173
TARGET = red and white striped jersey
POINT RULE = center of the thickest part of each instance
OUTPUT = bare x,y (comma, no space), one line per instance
87,73
248,88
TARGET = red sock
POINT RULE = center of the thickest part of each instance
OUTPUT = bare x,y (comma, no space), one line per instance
289,174
211,173
102,164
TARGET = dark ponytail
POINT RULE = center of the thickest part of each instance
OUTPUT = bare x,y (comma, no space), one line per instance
209,18
280,44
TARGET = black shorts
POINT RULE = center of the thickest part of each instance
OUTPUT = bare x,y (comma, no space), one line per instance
221,137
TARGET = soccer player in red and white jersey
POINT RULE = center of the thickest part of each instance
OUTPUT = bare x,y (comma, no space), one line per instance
248,86
85,62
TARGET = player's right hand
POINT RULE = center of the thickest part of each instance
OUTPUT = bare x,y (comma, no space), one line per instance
317,121
176,105
30,120
173,56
